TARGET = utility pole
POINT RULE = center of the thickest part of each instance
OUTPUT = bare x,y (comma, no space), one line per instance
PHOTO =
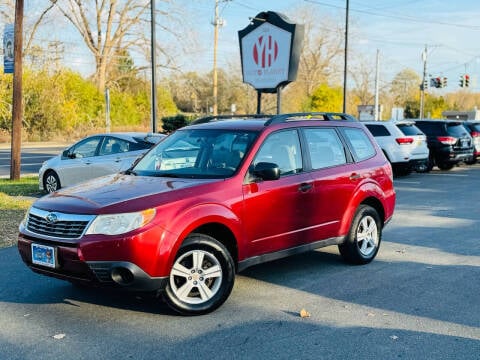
216,21
424,82
377,74
346,60
17,109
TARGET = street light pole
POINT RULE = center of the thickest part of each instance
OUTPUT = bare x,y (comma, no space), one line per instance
422,86
17,109
153,42
346,60
216,21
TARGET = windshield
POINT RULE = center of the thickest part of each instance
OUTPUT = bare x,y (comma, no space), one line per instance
197,153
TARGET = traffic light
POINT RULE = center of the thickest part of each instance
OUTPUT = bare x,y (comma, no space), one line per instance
462,81
438,82
424,85
467,80
444,82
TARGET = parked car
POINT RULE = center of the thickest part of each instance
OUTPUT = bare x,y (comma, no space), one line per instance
215,198
449,142
404,145
94,156
473,127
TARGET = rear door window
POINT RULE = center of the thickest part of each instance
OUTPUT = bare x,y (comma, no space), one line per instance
325,148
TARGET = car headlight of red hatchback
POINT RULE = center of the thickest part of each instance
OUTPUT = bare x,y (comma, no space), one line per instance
115,224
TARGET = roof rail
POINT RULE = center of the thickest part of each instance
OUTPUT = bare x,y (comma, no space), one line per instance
211,118
324,116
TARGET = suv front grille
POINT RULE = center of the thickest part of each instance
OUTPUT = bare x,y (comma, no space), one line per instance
61,229
57,225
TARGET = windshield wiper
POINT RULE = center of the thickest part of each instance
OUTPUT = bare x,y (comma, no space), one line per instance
130,172
166,175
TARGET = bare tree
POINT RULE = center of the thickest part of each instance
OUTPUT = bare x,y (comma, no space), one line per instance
106,26
322,46
32,22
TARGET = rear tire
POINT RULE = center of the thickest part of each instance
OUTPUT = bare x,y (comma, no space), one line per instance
201,278
363,240
445,166
51,182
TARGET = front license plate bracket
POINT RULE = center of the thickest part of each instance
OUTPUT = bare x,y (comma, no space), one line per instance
43,255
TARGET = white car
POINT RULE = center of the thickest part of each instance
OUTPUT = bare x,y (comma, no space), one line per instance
404,144
94,156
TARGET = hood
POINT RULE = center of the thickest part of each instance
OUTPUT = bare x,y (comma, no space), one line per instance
116,193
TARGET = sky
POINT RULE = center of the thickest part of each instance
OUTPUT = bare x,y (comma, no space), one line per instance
399,29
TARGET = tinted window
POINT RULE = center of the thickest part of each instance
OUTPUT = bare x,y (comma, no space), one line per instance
431,128
409,129
456,129
282,148
378,130
325,148
360,143
475,127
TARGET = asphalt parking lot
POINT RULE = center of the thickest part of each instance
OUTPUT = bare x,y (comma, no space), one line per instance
419,299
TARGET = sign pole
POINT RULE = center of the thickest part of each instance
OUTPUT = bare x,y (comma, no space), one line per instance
279,99
259,102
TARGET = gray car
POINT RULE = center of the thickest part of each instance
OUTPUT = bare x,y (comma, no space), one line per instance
94,156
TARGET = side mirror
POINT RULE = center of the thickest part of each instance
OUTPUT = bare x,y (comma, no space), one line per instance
267,171
66,154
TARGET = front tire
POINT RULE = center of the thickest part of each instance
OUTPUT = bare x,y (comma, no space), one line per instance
363,240
201,278
51,182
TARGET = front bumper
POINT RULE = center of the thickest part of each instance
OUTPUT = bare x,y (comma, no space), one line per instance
71,266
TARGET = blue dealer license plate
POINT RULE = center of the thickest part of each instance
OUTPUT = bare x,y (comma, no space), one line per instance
43,255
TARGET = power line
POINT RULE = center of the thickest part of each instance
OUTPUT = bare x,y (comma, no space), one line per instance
396,17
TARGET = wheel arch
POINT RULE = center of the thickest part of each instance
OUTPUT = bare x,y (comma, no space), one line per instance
212,220
377,205
367,197
222,234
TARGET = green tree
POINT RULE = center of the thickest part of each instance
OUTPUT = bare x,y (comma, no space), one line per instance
326,98
405,87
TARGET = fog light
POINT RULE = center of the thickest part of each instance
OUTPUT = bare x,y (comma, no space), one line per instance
122,276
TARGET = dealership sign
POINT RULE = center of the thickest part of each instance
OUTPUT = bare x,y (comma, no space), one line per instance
270,49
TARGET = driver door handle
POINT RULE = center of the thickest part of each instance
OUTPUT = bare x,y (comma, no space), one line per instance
304,187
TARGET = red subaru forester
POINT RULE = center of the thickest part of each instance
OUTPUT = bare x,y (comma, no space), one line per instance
214,198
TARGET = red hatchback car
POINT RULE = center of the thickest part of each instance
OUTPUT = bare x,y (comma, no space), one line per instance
212,199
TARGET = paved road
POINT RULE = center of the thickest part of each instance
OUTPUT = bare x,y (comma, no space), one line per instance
32,157
418,300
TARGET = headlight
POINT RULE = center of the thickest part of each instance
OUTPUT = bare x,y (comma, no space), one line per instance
25,218
115,224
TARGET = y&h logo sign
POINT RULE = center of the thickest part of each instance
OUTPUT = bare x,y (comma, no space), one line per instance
266,56
265,51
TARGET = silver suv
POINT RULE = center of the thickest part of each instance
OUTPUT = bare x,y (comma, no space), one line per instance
404,145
